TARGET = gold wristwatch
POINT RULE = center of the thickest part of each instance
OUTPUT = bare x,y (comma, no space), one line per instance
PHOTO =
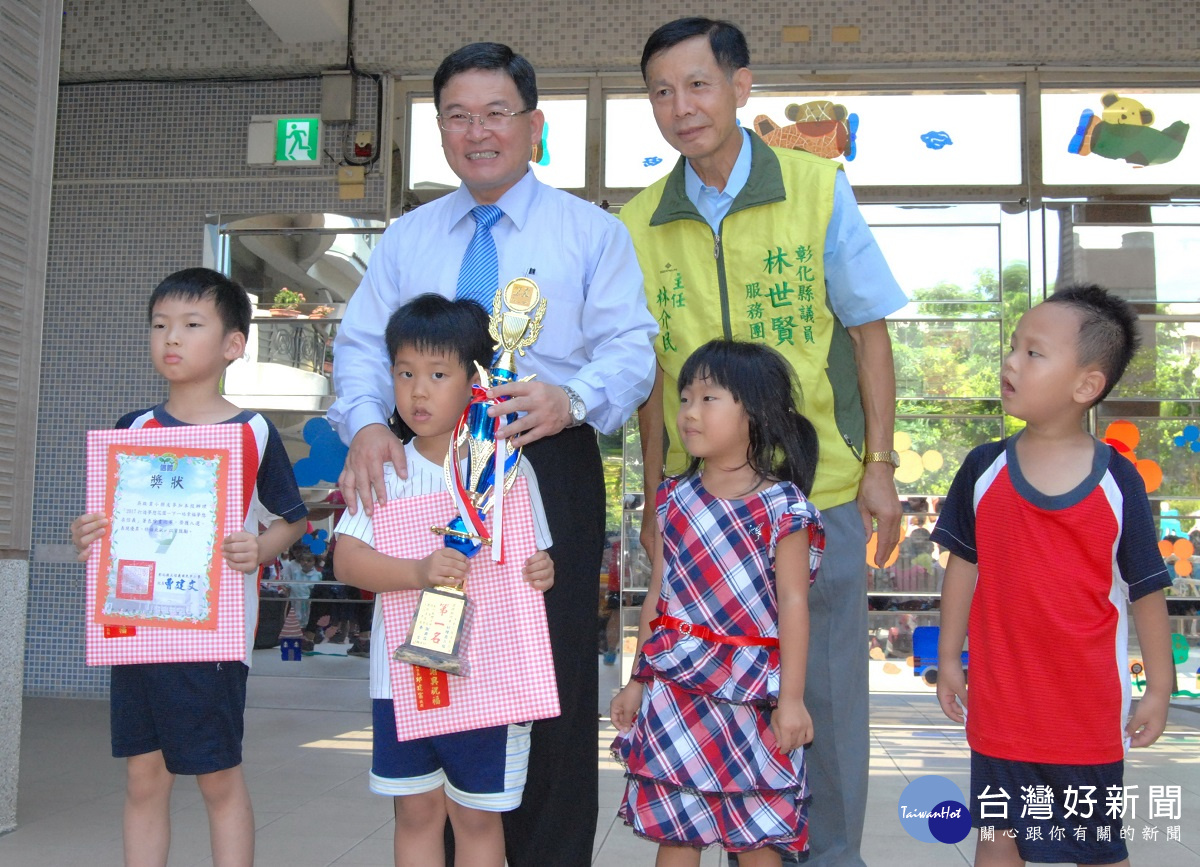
889,457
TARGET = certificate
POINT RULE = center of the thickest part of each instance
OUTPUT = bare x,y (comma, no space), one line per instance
158,589
160,561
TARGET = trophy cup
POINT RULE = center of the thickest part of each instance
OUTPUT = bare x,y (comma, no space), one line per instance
441,624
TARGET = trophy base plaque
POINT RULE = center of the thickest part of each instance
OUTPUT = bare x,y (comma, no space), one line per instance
437,637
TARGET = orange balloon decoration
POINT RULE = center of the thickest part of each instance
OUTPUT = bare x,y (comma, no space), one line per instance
1183,551
1151,474
1124,432
1165,548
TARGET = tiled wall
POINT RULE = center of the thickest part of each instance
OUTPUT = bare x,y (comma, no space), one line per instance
120,38
139,166
145,37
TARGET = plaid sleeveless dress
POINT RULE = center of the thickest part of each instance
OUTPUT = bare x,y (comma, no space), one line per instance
702,764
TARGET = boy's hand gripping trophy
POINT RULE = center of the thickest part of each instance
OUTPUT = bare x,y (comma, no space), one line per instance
441,624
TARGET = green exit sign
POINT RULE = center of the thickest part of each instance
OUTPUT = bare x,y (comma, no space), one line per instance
297,139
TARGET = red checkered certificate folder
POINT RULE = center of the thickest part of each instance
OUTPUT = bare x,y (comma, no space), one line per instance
158,589
512,671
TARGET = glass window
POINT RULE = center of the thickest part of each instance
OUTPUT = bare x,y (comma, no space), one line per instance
933,440
321,256
301,270
1165,367
900,139
427,168
1119,136
635,153
894,139
965,269
943,264
564,146
1146,251
564,142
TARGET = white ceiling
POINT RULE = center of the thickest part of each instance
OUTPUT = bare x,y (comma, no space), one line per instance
304,20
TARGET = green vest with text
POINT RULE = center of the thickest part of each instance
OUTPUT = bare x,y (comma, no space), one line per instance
761,280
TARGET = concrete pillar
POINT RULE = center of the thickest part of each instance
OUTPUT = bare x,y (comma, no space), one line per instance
14,590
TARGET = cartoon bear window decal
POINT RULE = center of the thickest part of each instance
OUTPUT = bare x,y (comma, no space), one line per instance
1123,131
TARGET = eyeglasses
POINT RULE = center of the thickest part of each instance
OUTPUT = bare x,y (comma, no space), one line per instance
497,119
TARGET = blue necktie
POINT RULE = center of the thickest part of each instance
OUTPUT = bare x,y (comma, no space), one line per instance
479,274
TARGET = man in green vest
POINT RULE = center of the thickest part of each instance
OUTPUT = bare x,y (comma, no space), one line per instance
755,243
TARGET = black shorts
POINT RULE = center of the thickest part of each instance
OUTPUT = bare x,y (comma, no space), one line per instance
192,711
1046,794
483,769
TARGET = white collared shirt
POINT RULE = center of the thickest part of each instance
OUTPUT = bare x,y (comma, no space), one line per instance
597,335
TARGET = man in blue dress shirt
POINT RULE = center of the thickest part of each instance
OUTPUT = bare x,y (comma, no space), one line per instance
594,362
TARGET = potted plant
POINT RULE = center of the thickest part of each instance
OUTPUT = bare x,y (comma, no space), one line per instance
320,311
287,303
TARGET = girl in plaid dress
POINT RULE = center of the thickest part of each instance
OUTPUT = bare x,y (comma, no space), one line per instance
713,723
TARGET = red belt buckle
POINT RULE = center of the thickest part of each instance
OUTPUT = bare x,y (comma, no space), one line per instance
683,628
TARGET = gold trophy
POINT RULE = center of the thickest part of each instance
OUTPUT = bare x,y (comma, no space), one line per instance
441,625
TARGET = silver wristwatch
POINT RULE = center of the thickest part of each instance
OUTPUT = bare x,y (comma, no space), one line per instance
576,408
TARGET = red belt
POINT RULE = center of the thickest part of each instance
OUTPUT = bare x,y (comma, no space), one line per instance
706,634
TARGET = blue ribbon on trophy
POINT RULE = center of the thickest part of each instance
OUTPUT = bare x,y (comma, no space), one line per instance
441,624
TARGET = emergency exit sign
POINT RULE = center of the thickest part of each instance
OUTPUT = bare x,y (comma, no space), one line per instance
297,139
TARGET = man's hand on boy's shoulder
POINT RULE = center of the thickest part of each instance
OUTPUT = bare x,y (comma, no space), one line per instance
539,571
240,551
85,530
362,477
1149,719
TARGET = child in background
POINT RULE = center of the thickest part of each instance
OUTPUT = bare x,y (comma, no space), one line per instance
470,776
713,721
306,572
1050,535
183,717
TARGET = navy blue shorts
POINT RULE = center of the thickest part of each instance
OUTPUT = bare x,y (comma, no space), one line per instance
483,769
192,711
1059,825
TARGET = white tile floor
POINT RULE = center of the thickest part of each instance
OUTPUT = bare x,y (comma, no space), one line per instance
307,750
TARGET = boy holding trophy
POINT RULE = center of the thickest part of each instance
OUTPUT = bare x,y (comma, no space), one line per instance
438,347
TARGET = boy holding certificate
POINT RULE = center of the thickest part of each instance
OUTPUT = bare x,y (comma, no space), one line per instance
187,717
471,777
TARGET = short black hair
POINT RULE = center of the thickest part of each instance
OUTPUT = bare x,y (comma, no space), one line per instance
230,299
1108,332
726,40
434,323
488,55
